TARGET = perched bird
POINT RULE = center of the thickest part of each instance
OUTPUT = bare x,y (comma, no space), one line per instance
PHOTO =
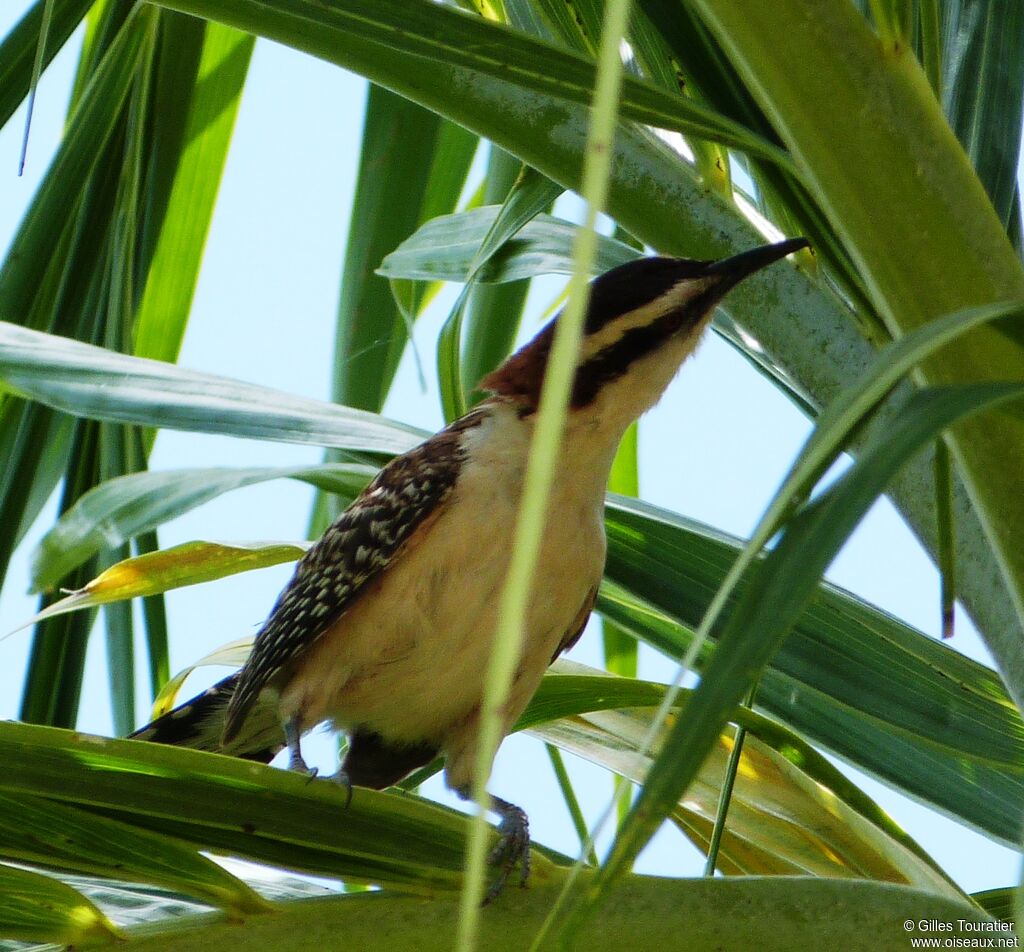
385,628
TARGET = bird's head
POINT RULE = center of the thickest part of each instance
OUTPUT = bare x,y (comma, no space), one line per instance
643,319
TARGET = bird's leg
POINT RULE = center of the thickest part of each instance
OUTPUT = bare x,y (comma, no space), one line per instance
296,762
293,739
514,846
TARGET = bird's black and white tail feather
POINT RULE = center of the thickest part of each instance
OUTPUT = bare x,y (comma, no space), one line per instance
199,724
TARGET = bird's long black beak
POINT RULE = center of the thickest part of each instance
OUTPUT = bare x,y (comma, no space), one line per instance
735,269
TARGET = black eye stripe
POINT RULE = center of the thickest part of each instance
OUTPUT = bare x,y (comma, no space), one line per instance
614,360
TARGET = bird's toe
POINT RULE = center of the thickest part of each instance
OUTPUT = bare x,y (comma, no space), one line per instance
513,849
341,778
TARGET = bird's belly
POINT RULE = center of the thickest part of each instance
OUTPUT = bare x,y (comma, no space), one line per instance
408,660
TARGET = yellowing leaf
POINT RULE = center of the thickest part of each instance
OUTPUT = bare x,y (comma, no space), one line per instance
181,565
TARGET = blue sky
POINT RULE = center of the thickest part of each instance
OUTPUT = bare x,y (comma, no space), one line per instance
713,449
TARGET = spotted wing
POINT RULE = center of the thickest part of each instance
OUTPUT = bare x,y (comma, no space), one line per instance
357,547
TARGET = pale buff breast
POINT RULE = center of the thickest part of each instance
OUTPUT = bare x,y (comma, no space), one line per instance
408,659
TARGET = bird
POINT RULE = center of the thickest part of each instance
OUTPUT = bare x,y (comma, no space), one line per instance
386,626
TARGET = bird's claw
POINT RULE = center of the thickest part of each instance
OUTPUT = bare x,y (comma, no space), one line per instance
512,849
298,765
341,779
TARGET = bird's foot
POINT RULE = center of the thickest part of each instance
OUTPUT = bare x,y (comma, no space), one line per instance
296,763
341,779
513,848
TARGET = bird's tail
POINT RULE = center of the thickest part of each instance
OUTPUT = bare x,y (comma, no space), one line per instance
199,723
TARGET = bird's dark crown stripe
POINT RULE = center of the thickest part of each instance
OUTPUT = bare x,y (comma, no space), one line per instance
635,284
